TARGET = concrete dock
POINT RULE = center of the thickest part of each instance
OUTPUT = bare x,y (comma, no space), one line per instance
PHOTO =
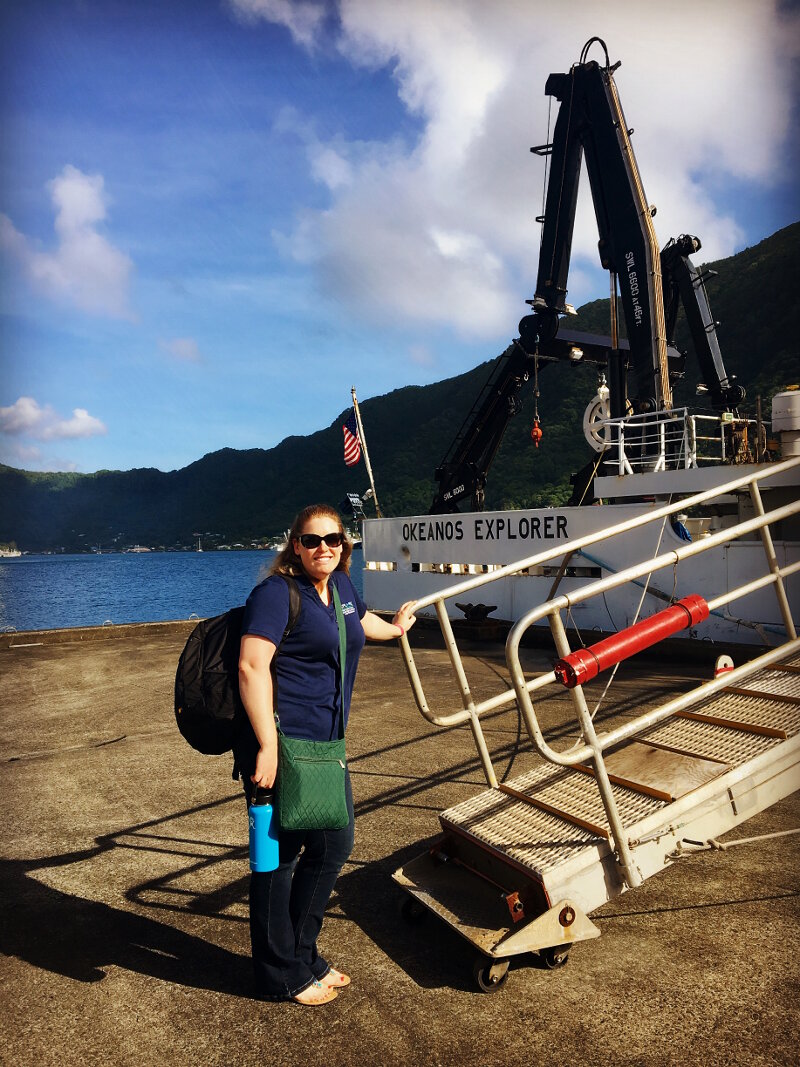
124,889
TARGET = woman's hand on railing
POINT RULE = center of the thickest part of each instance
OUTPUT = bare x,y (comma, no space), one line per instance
404,616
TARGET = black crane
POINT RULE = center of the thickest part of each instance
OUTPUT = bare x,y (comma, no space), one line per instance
591,125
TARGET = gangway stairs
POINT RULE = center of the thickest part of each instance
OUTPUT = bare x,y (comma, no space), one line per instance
521,866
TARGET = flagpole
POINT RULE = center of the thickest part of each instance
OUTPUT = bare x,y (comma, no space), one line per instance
363,440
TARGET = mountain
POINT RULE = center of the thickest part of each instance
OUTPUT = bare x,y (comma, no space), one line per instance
239,496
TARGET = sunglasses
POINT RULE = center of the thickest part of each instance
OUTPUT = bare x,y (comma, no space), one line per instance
332,540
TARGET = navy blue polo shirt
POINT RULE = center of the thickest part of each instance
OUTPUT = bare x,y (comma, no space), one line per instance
307,666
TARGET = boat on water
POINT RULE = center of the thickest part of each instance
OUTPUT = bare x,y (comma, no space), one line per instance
660,478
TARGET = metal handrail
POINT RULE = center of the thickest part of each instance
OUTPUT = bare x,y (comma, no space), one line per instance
648,432
593,744
568,600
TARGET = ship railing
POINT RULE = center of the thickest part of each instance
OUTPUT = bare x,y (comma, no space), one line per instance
593,745
670,440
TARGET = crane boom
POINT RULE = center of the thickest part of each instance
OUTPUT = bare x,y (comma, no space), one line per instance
591,126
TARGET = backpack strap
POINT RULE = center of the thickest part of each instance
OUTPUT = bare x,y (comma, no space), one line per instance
295,606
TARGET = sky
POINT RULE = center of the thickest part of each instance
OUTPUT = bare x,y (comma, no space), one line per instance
216,216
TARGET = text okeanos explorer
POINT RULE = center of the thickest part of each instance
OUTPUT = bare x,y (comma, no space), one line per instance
506,528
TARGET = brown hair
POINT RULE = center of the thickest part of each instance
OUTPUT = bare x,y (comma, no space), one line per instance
287,560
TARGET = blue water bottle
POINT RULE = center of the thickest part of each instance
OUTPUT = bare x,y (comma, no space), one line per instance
263,832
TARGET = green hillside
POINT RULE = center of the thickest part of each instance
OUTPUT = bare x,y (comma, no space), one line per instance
245,495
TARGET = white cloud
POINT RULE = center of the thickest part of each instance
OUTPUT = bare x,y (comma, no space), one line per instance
301,18
85,269
443,231
184,349
27,418
22,417
29,457
19,453
82,424
330,167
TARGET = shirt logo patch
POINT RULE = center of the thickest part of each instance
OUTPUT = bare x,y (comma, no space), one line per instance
348,608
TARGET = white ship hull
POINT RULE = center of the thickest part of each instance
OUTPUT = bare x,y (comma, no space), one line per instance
409,558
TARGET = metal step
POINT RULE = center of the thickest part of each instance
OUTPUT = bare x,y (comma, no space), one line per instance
768,702
711,741
566,812
552,818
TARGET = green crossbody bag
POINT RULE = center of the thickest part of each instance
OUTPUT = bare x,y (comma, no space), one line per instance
311,774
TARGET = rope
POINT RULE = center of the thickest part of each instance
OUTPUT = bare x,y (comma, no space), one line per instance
588,45
536,382
635,618
723,846
589,482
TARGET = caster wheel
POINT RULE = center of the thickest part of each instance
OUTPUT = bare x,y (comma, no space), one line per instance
491,975
412,911
553,958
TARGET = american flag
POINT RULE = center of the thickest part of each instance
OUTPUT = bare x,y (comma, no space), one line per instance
352,445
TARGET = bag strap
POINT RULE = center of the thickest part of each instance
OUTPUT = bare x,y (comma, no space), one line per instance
342,649
295,606
340,623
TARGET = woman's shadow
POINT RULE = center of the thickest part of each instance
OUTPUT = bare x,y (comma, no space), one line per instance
80,938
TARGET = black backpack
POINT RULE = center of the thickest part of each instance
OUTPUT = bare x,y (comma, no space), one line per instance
208,708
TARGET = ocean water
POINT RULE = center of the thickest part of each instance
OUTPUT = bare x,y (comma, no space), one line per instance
52,592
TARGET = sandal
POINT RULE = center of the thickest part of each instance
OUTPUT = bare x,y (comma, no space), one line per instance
316,993
335,979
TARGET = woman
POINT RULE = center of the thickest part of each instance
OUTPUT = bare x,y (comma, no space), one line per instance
287,905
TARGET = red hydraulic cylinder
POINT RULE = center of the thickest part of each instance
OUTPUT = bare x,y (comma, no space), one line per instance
585,664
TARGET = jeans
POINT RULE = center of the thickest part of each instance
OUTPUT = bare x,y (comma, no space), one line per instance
287,906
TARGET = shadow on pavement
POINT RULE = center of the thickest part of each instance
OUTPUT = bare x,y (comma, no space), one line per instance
427,949
80,938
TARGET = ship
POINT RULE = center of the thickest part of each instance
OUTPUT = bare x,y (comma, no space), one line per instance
682,525
659,477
